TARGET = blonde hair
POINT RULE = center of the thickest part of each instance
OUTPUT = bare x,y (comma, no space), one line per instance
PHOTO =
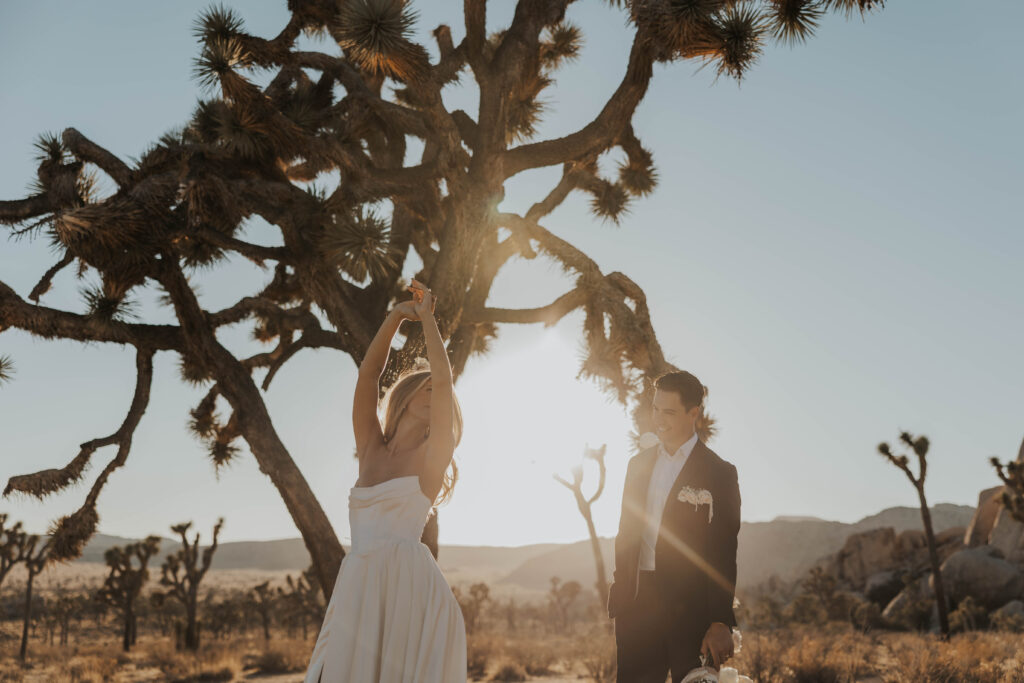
397,400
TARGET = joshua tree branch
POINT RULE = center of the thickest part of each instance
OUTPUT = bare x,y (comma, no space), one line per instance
600,133
51,323
87,150
43,286
17,210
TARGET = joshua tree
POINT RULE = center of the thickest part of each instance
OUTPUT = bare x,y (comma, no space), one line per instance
472,605
584,504
6,369
265,602
12,546
183,571
123,584
302,598
1012,476
560,599
36,558
919,446
268,152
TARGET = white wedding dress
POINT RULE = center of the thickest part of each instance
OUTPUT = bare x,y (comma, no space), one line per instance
392,617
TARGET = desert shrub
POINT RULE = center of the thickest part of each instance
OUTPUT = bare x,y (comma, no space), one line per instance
596,654
479,652
279,661
510,672
537,657
1012,623
762,656
806,609
867,616
968,616
915,614
91,669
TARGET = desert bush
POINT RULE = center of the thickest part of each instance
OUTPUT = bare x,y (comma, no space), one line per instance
537,657
596,654
761,657
1012,623
805,609
968,616
867,616
91,669
510,672
479,652
277,660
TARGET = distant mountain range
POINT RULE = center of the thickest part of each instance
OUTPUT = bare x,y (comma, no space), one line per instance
786,546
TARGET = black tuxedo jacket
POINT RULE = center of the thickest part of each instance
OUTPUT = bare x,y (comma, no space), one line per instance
695,561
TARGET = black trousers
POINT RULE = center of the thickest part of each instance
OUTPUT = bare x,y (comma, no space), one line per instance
650,641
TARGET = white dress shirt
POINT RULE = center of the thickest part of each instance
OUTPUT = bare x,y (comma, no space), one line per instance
666,469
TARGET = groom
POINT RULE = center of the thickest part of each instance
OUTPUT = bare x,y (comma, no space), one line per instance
675,553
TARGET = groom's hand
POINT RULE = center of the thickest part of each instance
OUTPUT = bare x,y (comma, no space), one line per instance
718,643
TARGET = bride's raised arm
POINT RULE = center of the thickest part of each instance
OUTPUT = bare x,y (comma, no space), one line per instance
365,424
441,442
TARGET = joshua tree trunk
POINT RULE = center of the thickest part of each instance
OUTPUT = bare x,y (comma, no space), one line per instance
933,557
23,652
129,617
919,446
585,504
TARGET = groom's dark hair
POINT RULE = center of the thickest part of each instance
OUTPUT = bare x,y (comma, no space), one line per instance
690,390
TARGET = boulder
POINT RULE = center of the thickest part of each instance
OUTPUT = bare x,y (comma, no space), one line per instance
984,517
1014,608
982,573
918,590
1008,535
881,587
912,541
867,553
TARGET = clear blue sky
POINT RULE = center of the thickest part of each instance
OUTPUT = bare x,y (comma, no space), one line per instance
833,249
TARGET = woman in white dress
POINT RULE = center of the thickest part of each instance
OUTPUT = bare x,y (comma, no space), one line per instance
392,617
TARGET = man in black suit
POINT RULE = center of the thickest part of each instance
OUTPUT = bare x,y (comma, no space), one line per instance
675,553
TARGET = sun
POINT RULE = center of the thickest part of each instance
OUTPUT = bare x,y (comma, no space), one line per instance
527,418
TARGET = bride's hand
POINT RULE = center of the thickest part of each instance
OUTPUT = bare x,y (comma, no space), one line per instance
424,299
406,310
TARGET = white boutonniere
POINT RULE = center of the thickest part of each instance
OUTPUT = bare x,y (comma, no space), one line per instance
697,497
648,440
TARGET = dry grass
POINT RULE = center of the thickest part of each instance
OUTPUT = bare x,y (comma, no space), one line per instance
805,655
796,654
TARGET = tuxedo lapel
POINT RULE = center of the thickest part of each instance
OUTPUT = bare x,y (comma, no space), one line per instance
690,467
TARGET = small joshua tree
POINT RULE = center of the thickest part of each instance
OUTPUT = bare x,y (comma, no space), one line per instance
183,571
36,558
264,601
560,598
302,599
123,584
11,546
1012,476
585,503
919,446
472,605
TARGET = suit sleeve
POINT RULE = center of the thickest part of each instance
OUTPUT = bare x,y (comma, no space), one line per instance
612,602
725,528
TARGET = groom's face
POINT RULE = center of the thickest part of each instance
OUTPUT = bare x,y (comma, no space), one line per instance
673,423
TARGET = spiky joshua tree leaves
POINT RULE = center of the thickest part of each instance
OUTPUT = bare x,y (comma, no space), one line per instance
919,447
248,151
183,571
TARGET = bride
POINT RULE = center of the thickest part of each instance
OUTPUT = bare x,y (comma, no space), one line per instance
392,617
